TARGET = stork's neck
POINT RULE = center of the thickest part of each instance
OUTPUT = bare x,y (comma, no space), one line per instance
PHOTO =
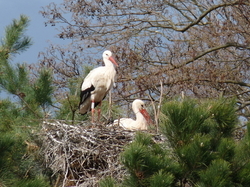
108,63
141,121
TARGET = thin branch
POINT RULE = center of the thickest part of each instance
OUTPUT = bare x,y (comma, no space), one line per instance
240,83
28,106
209,51
204,14
159,106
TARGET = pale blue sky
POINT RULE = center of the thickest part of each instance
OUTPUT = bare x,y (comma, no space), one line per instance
41,35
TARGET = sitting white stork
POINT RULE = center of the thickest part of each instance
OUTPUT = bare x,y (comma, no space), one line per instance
142,118
97,84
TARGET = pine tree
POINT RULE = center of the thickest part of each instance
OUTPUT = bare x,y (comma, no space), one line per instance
14,79
19,116
199,150
201,137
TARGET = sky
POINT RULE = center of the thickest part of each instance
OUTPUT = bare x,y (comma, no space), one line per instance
41,35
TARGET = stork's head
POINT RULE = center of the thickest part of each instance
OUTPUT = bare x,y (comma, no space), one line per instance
139,106
107,55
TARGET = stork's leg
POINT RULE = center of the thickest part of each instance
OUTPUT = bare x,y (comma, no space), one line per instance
92,111
99,111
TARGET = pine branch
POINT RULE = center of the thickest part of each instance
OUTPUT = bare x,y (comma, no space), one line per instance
14,40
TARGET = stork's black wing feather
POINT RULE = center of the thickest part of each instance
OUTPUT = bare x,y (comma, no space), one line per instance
85,94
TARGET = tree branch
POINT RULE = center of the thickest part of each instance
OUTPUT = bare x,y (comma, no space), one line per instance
204,14
209,51
240,83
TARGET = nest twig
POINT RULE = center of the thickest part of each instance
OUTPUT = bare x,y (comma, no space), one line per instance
83,155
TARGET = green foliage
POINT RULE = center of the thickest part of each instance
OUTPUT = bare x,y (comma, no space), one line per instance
226,149
8,112
15,79
14,40
160,179
217,174
200,133
223,112
147,161
18,166
37,182
6,142
195,154
68,108
43,88
183,120
107,182
241,160
69,104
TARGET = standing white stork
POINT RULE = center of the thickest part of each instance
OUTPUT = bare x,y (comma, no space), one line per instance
142,118
97,84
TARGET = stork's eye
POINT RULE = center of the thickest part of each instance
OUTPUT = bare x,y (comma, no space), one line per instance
142,106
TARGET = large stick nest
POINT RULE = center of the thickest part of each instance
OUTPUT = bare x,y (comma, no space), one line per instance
81,155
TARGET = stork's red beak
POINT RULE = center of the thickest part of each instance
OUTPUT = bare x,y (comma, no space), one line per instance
146,115
113,60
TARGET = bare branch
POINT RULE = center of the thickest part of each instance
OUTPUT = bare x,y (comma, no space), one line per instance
211,50
204,14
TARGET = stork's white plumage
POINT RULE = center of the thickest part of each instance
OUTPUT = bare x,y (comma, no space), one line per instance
142,118
97,84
